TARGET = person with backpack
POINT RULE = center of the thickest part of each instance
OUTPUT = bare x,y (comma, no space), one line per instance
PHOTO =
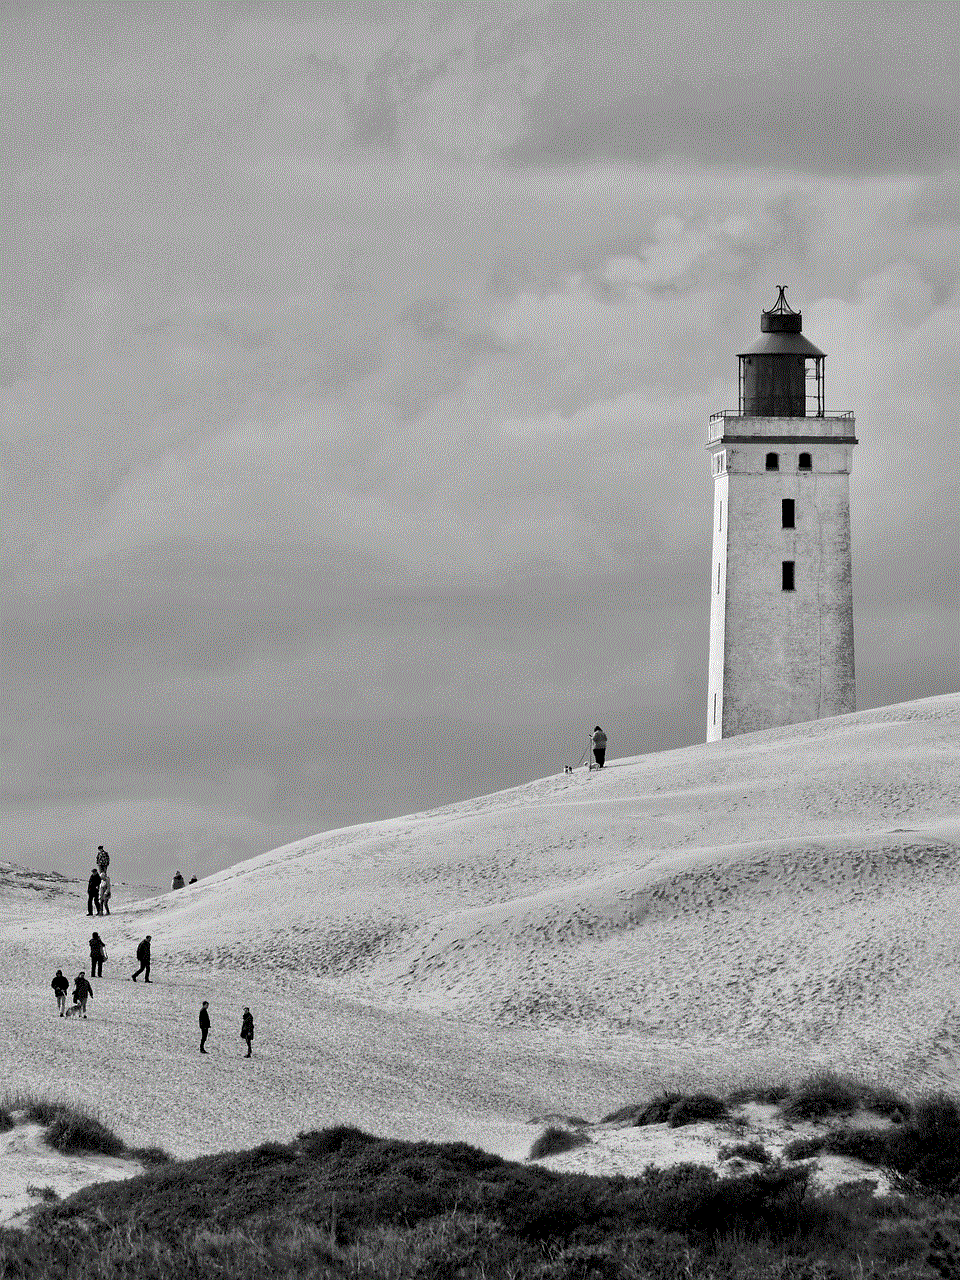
204,1025
102,859
61,985
143,955
93,890
246,1031
105,890
82,991
599,740
98,953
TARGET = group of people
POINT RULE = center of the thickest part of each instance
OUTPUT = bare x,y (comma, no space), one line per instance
82,991
246,1028
98,886
98,901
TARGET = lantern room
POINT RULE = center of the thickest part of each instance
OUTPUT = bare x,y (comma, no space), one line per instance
781,374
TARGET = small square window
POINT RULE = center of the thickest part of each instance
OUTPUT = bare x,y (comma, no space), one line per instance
773,462
788,512
788,575
805,462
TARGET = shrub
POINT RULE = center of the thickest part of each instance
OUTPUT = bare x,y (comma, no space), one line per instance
150,1156
656,1111
553,1140
699,1106
822,1094
6,1119
323,1142
943,1253
803,1148
767,1094
43,1193
73,1132
885,1102
867,1145
754,1151
926,1147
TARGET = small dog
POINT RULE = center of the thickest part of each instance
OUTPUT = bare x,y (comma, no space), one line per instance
568,768
74,1011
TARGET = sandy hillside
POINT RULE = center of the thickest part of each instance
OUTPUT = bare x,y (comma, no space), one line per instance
756,905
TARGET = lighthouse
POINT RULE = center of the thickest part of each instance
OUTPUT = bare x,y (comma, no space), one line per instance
781,599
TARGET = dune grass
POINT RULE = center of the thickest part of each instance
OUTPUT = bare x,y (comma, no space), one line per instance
73,1129
553,1140
340,1203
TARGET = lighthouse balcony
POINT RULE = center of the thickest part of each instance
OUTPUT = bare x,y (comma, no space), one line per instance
835,426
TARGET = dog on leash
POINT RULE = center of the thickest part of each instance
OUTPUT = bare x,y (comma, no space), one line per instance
74,1011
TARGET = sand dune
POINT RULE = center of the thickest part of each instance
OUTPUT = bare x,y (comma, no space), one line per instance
788,897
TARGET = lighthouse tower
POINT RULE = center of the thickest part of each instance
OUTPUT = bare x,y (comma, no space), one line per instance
781,613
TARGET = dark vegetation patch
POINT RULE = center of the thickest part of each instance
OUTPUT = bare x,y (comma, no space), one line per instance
339,1203
754,1151
74,1130
553,1140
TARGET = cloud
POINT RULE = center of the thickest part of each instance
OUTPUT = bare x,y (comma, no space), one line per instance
354,401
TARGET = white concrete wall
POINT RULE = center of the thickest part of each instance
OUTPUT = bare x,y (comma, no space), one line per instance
780,657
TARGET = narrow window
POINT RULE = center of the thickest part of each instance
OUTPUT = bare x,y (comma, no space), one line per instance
787,511
788,567
773,462
720,518
714,708
804,462
718,575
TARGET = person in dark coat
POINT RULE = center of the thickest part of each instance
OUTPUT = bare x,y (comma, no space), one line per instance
82,991
61,985
193,880
93,891
204,1025
246,1031
143,955
98,953
599,741
177,882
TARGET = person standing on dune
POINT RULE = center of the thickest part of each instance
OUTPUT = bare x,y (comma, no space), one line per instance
204,1025
98,953
104,907
246,1031
93,890
599,741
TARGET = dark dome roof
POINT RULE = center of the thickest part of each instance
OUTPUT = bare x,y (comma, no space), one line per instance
781,344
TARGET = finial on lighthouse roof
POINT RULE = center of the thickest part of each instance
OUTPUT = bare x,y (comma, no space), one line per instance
781,318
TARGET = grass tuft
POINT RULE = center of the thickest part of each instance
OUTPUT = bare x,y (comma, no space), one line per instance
754,1151
553,1140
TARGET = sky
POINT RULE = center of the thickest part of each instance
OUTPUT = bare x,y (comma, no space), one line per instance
356,372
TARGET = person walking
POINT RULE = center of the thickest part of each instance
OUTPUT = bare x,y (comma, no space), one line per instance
105,890
93,890
599,740
204,1025
246,1031
143,955
82,991
61,985
177,881
98,953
